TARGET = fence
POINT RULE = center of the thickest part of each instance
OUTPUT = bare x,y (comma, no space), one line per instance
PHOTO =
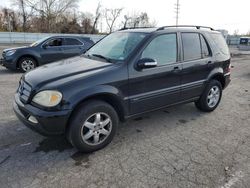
18,37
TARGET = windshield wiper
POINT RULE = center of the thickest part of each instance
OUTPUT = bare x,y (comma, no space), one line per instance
103,57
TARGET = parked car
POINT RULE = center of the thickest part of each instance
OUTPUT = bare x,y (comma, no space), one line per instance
126,74
45,51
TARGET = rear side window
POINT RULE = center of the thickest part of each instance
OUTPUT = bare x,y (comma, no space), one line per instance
191,46
204,47
72,41
220,42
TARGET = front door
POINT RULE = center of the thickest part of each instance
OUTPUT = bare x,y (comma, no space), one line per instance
159,86
52,51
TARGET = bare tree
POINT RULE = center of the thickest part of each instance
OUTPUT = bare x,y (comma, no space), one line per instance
51,10
9,20
25,12
138,20
126,20
87,20
111,16
97,17
236,32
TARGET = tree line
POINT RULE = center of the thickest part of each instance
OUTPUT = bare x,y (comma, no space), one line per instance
62,16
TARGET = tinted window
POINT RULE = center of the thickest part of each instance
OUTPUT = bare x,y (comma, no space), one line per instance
204,47
72,41
191,46
163,49
220,43
55,42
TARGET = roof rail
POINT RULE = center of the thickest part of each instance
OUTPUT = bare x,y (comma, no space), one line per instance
196,26
125,28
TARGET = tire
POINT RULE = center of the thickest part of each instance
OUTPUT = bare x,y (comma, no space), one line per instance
85,132
211,97
27,64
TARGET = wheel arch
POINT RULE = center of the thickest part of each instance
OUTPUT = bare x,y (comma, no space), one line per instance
26,55
220,78
217,74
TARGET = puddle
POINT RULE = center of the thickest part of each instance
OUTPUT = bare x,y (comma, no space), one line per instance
53,144
138,119
166,111
81,159
183,121
138,130
141,118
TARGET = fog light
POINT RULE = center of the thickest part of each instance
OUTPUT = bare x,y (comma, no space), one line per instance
32,119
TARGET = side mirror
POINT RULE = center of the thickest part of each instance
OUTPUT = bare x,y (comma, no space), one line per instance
146,63
45,46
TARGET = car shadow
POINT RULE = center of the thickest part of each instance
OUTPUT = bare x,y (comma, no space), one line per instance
16,140
4,71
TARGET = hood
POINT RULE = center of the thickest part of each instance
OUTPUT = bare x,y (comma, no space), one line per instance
64,69
16,48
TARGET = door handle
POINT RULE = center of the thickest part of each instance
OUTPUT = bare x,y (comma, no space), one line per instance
176,69
209,63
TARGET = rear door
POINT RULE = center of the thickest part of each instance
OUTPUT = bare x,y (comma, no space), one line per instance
159,86
52,50
72,47
196,65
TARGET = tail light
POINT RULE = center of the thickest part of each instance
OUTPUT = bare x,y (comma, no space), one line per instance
228,69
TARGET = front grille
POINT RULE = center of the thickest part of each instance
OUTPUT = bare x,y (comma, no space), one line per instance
3,54
24,91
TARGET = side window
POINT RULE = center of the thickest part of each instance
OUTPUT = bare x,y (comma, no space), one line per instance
163,49
55,42
204,47
191,46
72,41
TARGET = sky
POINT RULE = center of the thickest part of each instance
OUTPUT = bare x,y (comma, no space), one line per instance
220,14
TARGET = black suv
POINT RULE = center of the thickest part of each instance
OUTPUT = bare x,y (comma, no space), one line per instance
44,51
129,72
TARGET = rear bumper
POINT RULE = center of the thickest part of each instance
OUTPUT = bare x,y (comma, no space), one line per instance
227,77
49,123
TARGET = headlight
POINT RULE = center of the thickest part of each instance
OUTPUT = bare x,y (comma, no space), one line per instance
47,98
10,52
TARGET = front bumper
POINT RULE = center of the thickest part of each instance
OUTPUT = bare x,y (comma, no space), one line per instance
1,61
8,63
49,122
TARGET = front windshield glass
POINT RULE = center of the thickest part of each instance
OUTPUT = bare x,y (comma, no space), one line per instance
39,41
117,46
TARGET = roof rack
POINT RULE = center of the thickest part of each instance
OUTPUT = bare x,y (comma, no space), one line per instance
125,28
196,26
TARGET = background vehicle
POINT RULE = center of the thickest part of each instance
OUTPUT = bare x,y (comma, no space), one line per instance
45,51
127,73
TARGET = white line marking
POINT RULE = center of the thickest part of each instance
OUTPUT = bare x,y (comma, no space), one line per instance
26,144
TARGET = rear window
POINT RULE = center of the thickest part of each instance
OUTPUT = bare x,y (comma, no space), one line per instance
220,43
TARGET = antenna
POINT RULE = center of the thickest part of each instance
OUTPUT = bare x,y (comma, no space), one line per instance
177,11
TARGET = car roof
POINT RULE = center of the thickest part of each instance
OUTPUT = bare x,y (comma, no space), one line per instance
170,29
69,36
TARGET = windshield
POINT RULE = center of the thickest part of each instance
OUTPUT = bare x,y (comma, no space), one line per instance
117,46
38,41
